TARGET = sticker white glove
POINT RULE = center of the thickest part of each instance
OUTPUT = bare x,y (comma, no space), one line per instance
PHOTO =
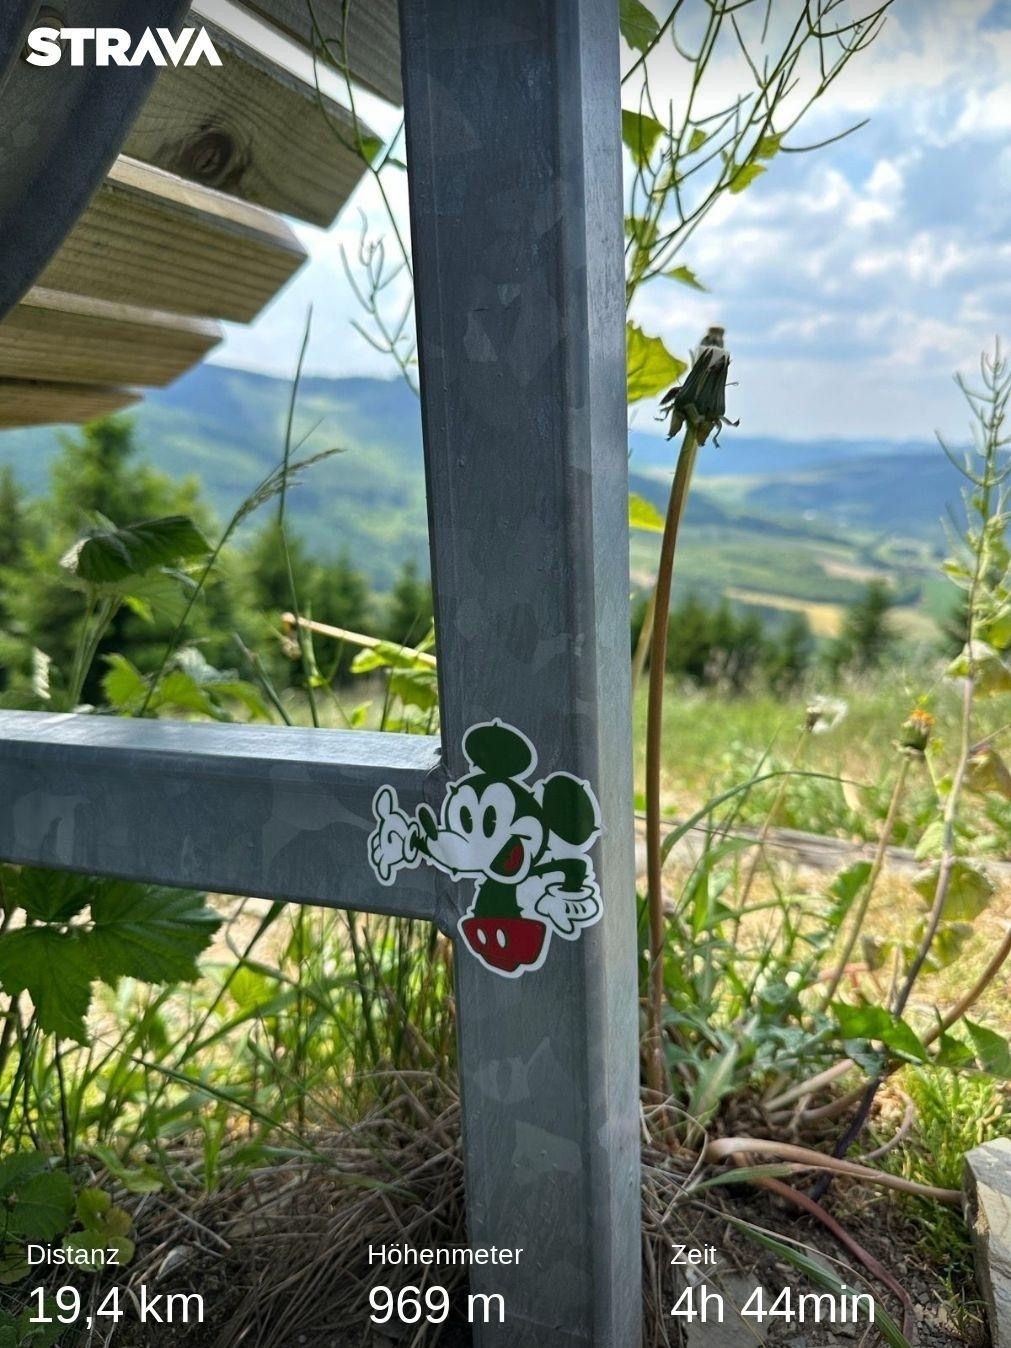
567,911
392,845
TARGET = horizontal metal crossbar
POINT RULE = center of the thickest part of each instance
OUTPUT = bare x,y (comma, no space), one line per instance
273,811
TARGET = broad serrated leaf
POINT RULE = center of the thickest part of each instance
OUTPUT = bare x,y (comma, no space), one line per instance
48,896
640,132
109,555
642,514
651,367
415,687
687,278
991,1050
123,684
148,933
638,26
42,1207
745,175
969,890
53,967
18,1168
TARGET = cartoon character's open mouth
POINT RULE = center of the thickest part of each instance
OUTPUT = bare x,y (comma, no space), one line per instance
510,859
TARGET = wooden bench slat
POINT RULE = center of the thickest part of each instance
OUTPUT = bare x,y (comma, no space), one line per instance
73,339
373,35
262,127
151,239
34,403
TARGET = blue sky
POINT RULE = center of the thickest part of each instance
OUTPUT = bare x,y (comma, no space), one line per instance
852,281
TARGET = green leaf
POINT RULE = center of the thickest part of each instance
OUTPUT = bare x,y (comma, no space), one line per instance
969,890
768,147
110,555
949,942
42,1207
143,1179
744,175
687,278
18,1168
387,655
651,367
640,132
642,230
874,1022
14,1266
123,684
951,1052
931,842
93,1244
92,1205
848,883
371,148
991,1050
697,140
990,673
415,687
638,26
149,933
54,969
48,896
642,514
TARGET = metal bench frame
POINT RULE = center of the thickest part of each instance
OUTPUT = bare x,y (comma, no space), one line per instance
514,147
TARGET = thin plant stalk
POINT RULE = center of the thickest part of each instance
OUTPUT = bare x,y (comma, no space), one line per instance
884,842
766,827
656,1072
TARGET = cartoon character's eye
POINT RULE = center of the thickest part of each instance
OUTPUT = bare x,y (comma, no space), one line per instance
466,819
489,821
428,823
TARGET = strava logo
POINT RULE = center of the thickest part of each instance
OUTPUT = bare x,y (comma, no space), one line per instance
116,47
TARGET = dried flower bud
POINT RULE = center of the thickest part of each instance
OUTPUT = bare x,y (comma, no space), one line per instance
701,399
916,731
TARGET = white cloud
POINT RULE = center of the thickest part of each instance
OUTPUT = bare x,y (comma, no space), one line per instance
851,281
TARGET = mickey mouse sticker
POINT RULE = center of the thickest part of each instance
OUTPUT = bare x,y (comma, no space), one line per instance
526,845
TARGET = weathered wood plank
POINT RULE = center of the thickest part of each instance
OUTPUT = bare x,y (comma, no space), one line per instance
987,1186
32,403
373,35
150,239
77,340
265,127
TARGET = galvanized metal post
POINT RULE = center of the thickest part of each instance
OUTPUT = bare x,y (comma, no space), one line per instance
513,139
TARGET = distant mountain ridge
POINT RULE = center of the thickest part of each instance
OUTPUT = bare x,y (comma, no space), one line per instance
228,427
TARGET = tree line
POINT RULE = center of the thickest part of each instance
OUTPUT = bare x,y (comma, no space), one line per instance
98,477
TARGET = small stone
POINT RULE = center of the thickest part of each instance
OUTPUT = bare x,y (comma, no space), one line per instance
987,1200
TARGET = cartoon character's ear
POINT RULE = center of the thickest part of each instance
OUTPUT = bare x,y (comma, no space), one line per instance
498,750
568,809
